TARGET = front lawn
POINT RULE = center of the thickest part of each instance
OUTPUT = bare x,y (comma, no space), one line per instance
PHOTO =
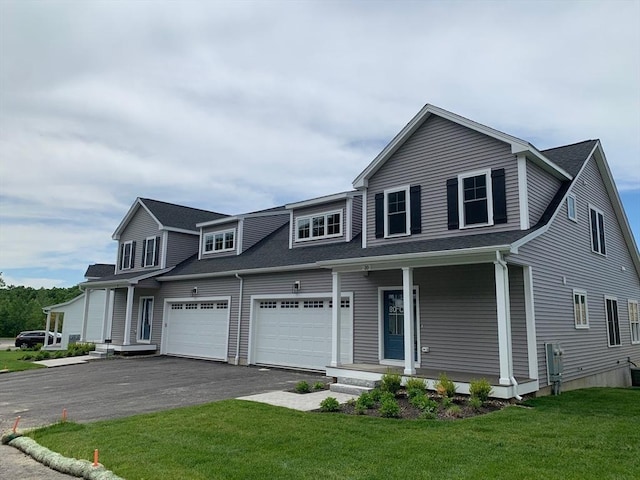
9,360
593,433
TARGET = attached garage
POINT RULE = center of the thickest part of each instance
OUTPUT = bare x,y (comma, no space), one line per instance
197,329
296,332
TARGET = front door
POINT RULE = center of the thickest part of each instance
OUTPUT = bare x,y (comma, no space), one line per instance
393,304
146,318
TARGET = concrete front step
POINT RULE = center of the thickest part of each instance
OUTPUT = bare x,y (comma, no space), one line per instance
98,354
350,389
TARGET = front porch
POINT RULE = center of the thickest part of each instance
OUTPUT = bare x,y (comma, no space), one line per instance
370,375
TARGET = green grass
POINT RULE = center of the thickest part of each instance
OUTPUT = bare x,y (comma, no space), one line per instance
583,434
9,361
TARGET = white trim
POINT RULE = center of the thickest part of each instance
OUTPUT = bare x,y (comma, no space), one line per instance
291,229
503,320
85,315
129,215
238,237
311,217
248,271
523,192
637,321
364,233
165,249
179,230
530,319
572,196
320,200
389,361
145,249
128,315
409,321
336,297
600,234
232,218
348,216
581,292
489,191
122,248
124,282
606,319
224,241
407,212
141,300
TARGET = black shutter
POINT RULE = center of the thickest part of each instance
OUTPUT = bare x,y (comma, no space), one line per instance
144,253
156,255
416,213
121,253
499,196
453,221
133,255
379,215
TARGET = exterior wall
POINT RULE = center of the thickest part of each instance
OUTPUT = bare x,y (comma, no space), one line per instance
519,345
141,226
437,151
562,260
180,246
356,216
256,228
219,228
317,209
73,316
541,188
119,314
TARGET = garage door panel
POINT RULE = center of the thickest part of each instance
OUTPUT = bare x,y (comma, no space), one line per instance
198,329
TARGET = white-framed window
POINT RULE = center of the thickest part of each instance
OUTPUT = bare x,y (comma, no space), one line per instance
475,199
613,324
321,225
597,230
580,310
127,255
397,212
149,259
634,321
219,241
146,319
572,213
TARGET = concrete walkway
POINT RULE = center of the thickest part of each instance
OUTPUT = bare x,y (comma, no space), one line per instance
297,401
63,362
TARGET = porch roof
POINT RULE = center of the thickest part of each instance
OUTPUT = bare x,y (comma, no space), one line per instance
123,279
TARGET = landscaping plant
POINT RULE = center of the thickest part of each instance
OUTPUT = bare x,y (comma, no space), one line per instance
329,404
445,387
302,387
391,382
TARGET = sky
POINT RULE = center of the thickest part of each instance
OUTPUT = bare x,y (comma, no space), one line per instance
239,106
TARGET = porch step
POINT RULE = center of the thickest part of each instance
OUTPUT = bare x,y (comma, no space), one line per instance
98,354
358,382
350,389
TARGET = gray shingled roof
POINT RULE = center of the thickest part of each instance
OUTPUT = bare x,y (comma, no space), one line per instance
98,270
177,216
570,157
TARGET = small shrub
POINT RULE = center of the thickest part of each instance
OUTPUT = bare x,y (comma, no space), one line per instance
365,400
389,408
27,357
318,386
447,402
480,389
424,403
445,387
80,348
329,404
59,354
454,411
376,393
302,387
42,355
429,415
385,396
475,403
415,386
359,409
391,382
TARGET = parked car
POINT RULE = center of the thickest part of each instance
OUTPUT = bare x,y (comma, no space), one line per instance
34,337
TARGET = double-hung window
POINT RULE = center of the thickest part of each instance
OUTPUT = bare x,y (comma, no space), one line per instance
597,230
127,255
613,326
475,199
397,212
634,321
580,312
150,251
322,225
219,241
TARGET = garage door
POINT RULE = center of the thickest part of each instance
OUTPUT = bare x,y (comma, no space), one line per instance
297,332
198,329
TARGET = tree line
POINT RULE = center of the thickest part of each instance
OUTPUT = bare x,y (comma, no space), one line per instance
21,307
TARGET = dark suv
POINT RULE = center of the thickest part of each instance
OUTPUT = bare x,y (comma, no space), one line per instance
35,337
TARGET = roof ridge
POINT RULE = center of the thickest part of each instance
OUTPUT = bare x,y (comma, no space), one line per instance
143,199
570,145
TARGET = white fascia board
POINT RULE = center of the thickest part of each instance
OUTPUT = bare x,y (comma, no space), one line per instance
47,309
222,221
320,200
441,257
124,282
179,230
247,271
547,165
138,203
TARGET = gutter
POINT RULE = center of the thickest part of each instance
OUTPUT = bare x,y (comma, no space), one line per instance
237,359
247,271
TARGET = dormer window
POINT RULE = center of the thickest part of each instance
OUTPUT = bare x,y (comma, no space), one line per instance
127,255
151,252
398,212
219,241
324,225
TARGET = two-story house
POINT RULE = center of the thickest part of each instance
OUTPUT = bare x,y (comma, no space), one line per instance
460,249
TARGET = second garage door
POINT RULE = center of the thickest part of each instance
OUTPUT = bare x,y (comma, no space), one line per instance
297,332
198,329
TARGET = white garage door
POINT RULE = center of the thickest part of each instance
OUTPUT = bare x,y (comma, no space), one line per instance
198,329
297,332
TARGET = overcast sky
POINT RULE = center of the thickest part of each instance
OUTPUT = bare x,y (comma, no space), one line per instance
239,106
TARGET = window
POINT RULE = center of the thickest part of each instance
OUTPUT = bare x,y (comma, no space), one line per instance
571,207
597,231
398,212
150,251
324,225
634,322
219,241
477,199
613,327
580,312
146,319
127,255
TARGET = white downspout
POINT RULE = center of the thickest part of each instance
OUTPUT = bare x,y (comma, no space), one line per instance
237,359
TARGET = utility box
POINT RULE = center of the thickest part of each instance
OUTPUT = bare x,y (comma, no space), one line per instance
555,364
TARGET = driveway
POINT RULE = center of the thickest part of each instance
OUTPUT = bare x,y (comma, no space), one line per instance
119,387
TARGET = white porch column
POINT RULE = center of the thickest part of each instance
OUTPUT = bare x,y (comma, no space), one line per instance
128,316
530,316
85,315
407,297
504,323
335,318
55,327
46,337
105,314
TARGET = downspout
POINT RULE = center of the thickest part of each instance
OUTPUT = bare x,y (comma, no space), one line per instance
237,359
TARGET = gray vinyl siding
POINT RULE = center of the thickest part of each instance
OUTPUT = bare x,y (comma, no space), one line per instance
519,346
256,228
437,151
180,246
141,226
562,260
315,210
220,228
541,188
356,216
119,314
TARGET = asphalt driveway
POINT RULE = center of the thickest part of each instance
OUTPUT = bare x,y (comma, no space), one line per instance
120,387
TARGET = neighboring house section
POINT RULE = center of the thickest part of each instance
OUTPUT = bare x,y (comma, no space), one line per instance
461,249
